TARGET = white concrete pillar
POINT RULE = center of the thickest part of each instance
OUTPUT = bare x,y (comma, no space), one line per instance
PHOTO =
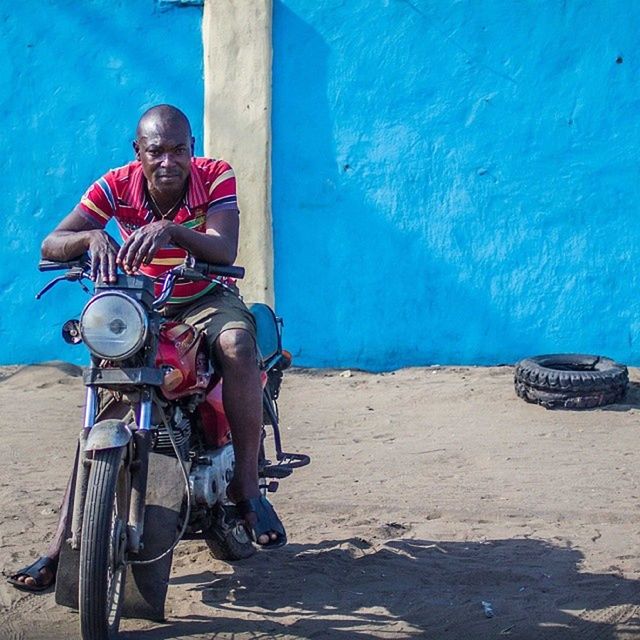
237,124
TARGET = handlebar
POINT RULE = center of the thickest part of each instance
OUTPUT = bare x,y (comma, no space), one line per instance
196,271
227,271
51,265
191,269
76,271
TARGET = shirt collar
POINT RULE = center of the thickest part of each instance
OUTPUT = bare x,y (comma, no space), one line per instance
196,193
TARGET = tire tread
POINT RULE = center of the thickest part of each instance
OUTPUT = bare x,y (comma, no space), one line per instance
536,380
94,557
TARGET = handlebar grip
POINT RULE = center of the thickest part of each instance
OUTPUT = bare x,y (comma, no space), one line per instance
54,265
230,271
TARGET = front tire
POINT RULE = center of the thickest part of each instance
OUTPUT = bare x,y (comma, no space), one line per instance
103,546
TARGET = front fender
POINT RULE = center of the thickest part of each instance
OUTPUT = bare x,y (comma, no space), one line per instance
108,434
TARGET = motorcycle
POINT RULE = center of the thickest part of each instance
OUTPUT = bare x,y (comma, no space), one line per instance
155,454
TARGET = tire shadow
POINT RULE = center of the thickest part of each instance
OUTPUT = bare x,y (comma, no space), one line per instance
630,401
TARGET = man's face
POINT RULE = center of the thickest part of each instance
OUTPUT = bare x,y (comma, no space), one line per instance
164,150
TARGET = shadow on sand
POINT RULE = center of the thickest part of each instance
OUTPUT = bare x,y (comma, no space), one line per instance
630,401
410,588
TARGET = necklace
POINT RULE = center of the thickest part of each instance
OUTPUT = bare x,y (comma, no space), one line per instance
169,211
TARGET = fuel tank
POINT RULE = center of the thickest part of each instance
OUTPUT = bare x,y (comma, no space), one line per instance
182,353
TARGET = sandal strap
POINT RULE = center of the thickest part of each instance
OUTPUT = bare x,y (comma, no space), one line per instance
266,521
33,570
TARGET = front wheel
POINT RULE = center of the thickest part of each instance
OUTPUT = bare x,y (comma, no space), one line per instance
103,546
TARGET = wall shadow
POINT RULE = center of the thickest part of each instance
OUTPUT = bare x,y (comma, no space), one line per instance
411,588
375,268
406,229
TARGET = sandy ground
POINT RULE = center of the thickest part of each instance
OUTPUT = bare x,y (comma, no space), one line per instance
431,490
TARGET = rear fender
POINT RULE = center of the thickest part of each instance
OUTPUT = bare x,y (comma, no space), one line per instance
108,434
267,329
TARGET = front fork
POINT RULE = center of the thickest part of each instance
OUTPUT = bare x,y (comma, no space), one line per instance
138,466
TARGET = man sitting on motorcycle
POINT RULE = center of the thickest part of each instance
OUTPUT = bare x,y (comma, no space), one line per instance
167,203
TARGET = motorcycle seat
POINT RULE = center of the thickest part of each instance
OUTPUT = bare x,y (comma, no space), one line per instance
268,330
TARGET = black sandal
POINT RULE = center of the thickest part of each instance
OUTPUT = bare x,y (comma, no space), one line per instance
33,571
266,521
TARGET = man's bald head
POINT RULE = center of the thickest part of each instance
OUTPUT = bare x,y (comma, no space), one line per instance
164,146
163,117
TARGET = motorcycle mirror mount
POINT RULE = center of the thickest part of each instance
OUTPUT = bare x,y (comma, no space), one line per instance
71,331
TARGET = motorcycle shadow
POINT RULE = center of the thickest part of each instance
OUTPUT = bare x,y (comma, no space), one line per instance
409,588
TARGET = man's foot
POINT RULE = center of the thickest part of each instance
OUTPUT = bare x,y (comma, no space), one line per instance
260,519
262,522
37,576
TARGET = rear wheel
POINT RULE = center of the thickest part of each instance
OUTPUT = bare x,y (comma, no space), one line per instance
103,546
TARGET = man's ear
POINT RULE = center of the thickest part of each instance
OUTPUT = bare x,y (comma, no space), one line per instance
136,148
193,143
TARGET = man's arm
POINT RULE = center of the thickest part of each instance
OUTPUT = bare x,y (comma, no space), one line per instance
218,245
76,235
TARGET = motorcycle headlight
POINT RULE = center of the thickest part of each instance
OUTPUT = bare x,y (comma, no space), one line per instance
113,325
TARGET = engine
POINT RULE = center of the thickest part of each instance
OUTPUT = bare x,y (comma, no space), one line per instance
210,475
161,442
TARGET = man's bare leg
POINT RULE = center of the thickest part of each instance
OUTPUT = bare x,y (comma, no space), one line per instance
48,574
242,399
111,410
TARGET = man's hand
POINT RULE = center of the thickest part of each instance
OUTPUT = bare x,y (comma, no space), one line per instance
143,244
103,249
76,235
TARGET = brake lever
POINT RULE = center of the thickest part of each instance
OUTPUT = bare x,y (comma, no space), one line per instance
75,274
49,285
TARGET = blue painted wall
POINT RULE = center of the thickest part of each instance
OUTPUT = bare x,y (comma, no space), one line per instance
456,182
75,78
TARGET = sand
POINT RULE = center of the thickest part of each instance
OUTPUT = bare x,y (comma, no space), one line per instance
431,491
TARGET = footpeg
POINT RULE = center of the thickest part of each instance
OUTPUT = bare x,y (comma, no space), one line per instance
270,487
278,471
287,464
293,460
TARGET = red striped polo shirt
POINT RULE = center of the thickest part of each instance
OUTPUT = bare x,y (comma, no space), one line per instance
120,194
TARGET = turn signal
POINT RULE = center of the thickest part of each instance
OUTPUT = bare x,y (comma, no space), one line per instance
288,359
71,332
172,379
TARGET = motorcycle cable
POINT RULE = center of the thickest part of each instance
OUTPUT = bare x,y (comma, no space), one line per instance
185,475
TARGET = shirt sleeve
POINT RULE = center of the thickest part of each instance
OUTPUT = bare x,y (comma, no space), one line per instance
98,203
222,191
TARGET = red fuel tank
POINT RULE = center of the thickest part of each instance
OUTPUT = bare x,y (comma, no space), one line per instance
182,353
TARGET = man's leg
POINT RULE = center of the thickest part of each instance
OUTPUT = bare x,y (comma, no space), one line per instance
112,409
48,574
242,399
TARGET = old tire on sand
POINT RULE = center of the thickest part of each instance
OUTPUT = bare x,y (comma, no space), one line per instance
570,381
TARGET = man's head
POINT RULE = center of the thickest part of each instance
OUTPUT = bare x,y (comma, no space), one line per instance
164,146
